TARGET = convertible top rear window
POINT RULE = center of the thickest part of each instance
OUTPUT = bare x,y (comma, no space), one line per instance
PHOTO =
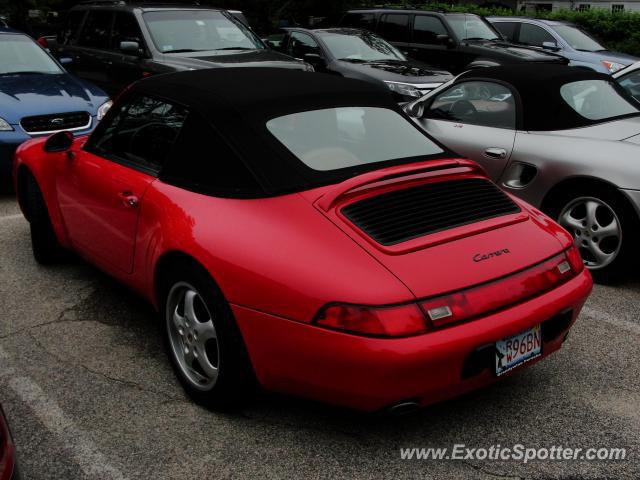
336,138
596,100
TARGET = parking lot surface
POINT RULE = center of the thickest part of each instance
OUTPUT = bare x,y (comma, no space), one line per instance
90,394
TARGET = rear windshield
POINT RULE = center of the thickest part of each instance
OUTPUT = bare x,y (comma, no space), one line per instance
336,138
596,100
360,47
198,31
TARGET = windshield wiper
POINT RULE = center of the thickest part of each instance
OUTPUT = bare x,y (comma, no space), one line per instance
183,50
481,38
236,48
26,72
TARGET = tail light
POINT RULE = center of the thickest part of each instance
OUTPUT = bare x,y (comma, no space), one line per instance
7,453
42,41
398,321
414,319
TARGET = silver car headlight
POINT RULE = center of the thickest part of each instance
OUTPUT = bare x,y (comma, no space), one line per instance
612,67
405,89
103,109
5,126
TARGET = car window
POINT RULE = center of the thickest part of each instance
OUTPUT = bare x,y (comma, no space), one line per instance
69,32
366,21
471,27
596,100
141,133
125,29
336,138
300,44
20,54
203,161
426,29
631,83
534,35
176,31
394,27
578,39
507,29
477,103
96,30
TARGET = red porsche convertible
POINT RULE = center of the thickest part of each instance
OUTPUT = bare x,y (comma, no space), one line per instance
298,232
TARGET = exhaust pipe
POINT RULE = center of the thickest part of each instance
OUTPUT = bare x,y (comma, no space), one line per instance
404,408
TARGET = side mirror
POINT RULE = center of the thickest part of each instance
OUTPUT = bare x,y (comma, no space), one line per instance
315,60
445,40
414,109
58,142
130,48
65,60
550,46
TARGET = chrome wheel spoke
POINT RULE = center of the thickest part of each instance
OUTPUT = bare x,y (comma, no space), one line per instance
178,321
611,230
591,207
204,331
189,308
570,223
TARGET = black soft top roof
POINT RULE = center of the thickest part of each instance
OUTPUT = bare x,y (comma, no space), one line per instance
538,88
238,102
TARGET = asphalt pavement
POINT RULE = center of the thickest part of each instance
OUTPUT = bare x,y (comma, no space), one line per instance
90,394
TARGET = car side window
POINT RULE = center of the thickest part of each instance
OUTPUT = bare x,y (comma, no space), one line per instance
394,27
366,21
204,162
427,28
140,134
486,104
125,29
300,44
534,35
69,33
96,30
631,83
507,29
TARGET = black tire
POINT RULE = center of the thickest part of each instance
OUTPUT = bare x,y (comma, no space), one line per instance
235,382
626,259
44,243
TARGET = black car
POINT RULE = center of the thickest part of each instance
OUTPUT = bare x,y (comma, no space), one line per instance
453,41
355,53
113,44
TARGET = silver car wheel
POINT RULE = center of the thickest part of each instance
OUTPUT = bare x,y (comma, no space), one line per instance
596,230
192,336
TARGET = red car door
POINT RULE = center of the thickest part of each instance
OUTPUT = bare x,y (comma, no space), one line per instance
100,202
101,186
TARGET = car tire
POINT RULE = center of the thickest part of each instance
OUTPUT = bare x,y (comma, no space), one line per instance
586,213
205,346
44,243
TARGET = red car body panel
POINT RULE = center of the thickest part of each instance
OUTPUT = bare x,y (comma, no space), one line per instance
279,260
371,373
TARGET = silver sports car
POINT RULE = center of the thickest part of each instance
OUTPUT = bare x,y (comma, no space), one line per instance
565,139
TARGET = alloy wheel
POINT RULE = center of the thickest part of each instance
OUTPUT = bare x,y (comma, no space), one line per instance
192,336
596,230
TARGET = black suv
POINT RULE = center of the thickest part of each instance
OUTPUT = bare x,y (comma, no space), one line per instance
452,41
114,43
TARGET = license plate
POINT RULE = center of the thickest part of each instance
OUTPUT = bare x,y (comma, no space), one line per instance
519,349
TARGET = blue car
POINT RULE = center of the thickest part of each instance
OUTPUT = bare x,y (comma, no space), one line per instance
38,97
562,38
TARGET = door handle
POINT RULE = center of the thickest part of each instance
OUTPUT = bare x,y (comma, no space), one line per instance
494,152
129,199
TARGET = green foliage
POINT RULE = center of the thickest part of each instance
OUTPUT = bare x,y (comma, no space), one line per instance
618,31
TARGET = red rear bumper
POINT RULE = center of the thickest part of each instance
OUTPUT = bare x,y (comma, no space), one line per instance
372,373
